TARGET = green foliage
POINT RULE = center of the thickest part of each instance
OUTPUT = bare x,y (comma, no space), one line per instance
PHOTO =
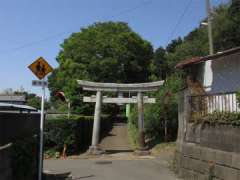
75,133
226,27
155,114
238,97
164,109
62,131
159,67
104,52
133,127
24,159
231,118
32,99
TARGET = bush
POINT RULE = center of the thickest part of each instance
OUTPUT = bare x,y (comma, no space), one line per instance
133,128
75,133
238,97
24,159
166,108
231,118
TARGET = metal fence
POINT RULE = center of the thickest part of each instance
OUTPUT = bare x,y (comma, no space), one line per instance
209,103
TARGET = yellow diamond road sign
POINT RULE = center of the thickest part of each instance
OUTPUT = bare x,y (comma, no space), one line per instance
40,68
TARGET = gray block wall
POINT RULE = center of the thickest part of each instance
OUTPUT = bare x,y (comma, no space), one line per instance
195,162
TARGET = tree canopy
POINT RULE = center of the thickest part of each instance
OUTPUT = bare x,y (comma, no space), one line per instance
102,52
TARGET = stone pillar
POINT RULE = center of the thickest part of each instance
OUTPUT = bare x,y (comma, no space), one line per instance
94,149
184,115
141,121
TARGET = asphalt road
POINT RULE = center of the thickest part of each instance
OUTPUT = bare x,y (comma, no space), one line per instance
100,169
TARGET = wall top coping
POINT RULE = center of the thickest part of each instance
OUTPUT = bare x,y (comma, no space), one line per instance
5,146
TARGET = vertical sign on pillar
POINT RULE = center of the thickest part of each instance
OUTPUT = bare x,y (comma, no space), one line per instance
41,68
128,110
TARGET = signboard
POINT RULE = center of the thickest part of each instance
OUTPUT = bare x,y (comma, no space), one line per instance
39,83
40,68
121,100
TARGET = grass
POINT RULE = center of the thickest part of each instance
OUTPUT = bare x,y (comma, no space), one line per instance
164,147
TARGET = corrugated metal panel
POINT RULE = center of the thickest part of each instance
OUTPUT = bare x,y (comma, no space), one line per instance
12,98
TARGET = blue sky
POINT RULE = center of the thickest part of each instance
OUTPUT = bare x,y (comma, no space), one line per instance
30,29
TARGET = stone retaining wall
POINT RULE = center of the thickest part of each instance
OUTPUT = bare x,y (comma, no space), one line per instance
217,136
206,151
199,163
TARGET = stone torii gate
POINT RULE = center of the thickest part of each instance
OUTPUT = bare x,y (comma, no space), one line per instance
138,88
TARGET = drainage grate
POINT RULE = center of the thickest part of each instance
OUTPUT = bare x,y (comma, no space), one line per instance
57,176
103,162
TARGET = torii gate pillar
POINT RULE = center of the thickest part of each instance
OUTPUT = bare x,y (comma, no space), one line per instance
141,121
96,124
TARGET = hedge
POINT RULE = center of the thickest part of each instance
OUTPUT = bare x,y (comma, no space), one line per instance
24,158
76,133
231,118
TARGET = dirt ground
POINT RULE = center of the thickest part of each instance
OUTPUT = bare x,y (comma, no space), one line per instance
117,140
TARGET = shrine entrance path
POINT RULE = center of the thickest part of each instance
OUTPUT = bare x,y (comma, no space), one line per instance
116,165
117,140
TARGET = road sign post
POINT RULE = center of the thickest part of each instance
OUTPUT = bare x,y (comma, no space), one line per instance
40,164
41,68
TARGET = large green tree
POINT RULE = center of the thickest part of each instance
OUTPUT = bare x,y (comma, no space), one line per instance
103,52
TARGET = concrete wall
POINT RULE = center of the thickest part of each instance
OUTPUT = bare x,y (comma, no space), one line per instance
197,162
206,151
14,126
219,136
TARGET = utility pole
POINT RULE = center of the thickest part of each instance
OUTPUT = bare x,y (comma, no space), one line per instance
210,38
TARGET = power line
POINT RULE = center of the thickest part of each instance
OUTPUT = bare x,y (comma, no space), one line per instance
144,3
179,20
34,42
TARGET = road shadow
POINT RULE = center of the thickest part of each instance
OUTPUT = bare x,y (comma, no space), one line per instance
83,177
118,151
57,176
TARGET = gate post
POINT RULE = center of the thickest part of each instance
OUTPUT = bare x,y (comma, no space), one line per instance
94,149
141,121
